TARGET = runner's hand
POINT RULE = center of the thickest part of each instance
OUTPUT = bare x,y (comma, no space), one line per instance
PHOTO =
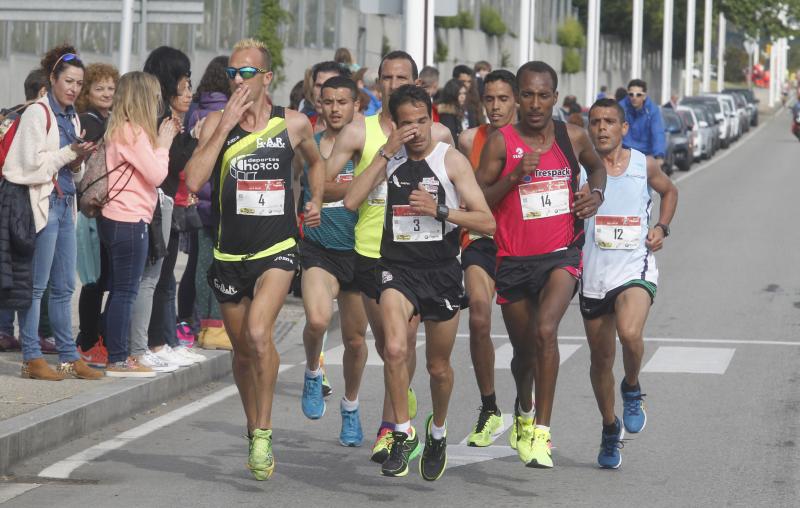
655,239
586,204
235,108
311,218
422,202
399,137
526,166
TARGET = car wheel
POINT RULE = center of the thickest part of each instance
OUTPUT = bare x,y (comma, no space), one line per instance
684,164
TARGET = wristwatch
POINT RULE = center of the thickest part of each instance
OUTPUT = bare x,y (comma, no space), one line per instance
442,212
664,228
383,154
602,194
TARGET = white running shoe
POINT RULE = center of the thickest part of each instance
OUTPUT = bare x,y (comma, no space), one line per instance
149,359
169,355
187,353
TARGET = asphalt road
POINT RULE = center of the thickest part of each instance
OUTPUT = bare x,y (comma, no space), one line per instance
720,372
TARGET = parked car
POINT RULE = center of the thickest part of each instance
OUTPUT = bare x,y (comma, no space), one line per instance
692,132
703,144
715,103
752,102
729,108
741,108
678,151
709,127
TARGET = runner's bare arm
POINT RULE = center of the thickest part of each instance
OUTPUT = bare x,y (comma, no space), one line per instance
465,140
441,133
346,148
493,160
586,205
477,216
302,136
212,138
662,184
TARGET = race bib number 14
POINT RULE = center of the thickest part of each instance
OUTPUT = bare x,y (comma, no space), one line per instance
544,199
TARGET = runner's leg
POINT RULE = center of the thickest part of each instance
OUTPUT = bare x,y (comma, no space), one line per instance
234,315
480,288
519,324
396,311
440,338
632,307
601,336
354,326
319,290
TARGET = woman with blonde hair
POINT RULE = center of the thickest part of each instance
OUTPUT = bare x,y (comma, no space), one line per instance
47,156
134,143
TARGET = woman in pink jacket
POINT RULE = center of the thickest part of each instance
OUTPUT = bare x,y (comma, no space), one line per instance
132,140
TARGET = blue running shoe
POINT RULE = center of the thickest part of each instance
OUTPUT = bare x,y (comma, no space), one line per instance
312,402
610,444
633,415
351,434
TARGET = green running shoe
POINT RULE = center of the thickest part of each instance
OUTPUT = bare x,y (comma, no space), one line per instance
434,457
412,404
380,450
541,450
524,438
490,424
403,450
261,462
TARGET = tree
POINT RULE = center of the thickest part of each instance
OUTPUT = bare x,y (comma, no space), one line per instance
763,18
271,16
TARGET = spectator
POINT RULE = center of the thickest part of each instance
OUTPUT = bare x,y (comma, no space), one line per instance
132,138
429,77
603,93
345,58
369,97
94,105
451,106
482,68
473,109
296,96
47,156
212,93
672,103
620,93
646,127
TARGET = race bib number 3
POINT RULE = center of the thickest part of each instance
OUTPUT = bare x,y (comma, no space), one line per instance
407,226
260,197
378,195
343,178
617,232
544,199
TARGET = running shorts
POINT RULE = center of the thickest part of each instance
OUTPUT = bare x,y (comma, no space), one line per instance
525,276
339,263
365,279
233,280
436,293
593,308
482,253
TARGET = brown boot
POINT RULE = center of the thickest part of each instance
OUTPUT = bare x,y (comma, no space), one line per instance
40,369
79,369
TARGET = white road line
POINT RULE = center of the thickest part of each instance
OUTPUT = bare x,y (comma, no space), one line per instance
507,419
670,339
9,491
64,468
690,360
460,455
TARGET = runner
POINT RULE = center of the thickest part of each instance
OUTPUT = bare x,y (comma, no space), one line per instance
530,174
247,151
328,262
360,141
478,259
320,73
620,275
419,270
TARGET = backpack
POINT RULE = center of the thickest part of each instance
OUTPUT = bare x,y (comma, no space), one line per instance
93,189
7,136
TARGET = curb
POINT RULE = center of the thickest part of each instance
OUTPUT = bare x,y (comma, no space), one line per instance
36,431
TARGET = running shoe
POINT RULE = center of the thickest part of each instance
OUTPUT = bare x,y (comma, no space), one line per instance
169,355
525,433
149,359
312,402
610,445
351,433
95,356
633,415
541,450
512,436
412,404
327,389
380,450
129,368
403,450
261,463
185,335
434,456
490,424
190,355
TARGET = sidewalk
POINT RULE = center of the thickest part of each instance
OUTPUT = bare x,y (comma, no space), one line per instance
37,415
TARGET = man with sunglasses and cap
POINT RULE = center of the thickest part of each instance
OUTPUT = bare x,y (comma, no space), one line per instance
246,151
646,127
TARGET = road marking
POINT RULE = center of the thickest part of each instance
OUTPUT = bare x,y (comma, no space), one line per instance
461,455
672,339
504,353
507,419
691,360
9,491
64,468
334,355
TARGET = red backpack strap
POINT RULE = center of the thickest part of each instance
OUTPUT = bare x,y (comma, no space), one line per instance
47,115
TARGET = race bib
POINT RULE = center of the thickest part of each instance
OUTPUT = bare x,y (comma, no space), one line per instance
342,178
617,232
260,197
544,199
407,226
378,195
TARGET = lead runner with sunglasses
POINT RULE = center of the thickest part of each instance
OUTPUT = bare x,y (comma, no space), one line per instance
247,151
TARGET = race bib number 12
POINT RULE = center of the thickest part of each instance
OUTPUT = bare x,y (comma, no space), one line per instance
260,197
617,232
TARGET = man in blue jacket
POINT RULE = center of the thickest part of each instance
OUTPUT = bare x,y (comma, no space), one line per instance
646,127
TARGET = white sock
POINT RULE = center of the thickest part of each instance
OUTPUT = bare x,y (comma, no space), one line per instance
438,432
349,405
313,373
528,415
404,427
542,427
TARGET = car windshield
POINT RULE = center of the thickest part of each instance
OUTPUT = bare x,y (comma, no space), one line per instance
672,122
712,103
700,113
687,118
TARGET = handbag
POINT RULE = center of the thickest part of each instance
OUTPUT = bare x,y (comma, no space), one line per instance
186,219
93,189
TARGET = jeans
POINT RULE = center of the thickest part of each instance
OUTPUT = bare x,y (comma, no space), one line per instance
144,303
54,261
162,325
7,321
126,243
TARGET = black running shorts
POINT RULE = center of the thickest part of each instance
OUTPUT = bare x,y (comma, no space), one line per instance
482,253
593,308
339,263
365,279
436,293
524,277
233,280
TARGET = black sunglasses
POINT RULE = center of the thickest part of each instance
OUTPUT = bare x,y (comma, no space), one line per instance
245,72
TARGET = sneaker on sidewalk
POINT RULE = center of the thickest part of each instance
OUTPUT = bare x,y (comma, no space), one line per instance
169,355
185,335
187,353
9,342
79,370
95,356
129,368
149,359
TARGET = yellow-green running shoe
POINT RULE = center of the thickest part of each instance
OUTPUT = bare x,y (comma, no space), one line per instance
490,423
512,436
261,462
524,438
380,450
412,404
541,454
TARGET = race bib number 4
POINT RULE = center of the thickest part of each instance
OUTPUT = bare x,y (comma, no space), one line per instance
378,195
260,197
407,226
544,199
617,232
343,178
